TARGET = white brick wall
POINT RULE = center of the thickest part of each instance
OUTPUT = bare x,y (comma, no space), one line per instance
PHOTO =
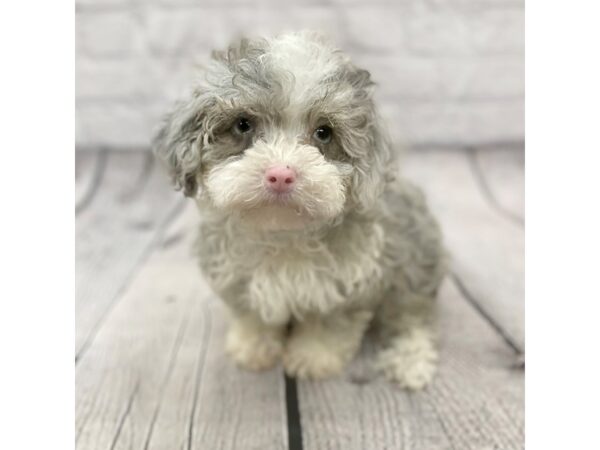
449,71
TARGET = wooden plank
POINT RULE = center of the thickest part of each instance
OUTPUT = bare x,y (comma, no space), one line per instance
502,171
475,402
84,169
89,169
156,375
487,249
115,233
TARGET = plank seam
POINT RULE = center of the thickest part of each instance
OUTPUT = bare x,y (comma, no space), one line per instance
487,191
142,179
97,177
472,300
201,358
438,416
146,253
293,414
172,357
86,417
125,415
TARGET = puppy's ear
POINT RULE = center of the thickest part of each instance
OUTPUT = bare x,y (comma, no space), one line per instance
179,143
367,141
376,168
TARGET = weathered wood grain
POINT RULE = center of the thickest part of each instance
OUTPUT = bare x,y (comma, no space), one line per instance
487,248
475,402
114,234
89,170
502,172
156,375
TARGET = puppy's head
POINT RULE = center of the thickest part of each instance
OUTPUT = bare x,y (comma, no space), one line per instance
281,133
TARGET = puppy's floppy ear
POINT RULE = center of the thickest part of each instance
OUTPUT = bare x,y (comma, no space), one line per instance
375,169
366,141
179,143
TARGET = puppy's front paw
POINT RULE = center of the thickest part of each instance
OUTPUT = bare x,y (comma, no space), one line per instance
411,362
252,348
307,358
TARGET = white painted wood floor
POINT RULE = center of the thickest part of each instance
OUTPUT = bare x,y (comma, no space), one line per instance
151,372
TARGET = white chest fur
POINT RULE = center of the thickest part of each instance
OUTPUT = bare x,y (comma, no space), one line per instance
292,276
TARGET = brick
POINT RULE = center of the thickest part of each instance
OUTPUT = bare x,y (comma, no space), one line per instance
489,4
184,31
102,4
437,32
144,78
456,32
113,124
108,34
375,28
483,78
285,18
453,123
197,31
110,79
498,32
403,77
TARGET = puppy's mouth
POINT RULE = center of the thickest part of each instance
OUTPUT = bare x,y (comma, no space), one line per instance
283,200
279,211
276,216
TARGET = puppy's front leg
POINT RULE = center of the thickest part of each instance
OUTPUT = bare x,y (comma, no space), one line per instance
252,344
320,347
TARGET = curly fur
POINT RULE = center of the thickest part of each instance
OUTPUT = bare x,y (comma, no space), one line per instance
306,273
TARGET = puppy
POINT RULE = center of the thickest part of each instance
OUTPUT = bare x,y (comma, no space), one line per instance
306,232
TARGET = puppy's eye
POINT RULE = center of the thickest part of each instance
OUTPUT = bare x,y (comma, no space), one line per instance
242,125
323,134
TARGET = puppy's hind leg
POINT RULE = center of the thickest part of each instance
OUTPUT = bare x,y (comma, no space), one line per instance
406,326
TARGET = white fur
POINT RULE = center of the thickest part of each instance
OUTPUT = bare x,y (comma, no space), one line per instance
320,348
307,61
253,345
410,360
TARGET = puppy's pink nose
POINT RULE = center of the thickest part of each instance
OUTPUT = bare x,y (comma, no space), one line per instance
280,179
